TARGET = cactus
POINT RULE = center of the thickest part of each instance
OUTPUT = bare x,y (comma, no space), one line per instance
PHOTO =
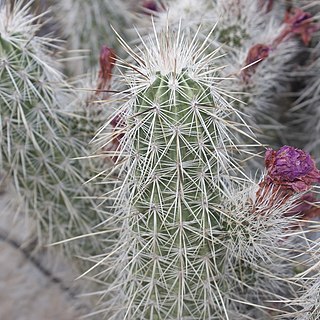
309,301
304,112
181,232
38,152
256,44
176,165
267,60
87,25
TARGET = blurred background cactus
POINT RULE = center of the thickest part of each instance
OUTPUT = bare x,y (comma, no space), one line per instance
86,26
169,150
39,148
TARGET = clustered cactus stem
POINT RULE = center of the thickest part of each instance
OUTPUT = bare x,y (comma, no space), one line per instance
39,152
177,170
144,173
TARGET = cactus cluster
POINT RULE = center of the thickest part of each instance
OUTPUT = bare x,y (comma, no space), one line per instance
195,240
137,157
39,150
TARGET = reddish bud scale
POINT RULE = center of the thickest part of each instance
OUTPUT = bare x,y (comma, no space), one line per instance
256,54
117,122
298,22
107,62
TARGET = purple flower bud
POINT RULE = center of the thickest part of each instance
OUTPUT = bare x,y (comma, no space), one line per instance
290,171
291,168
150,5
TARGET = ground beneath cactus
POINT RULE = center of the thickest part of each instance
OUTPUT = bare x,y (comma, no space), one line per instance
35,284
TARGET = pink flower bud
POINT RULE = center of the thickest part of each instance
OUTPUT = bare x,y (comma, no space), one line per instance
151,7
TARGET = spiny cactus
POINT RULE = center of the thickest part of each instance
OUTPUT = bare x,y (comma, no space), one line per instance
267,60
234,21
309,301
253,39
38,152
171,260
189,235
238,21
87,25
87,114
304,112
